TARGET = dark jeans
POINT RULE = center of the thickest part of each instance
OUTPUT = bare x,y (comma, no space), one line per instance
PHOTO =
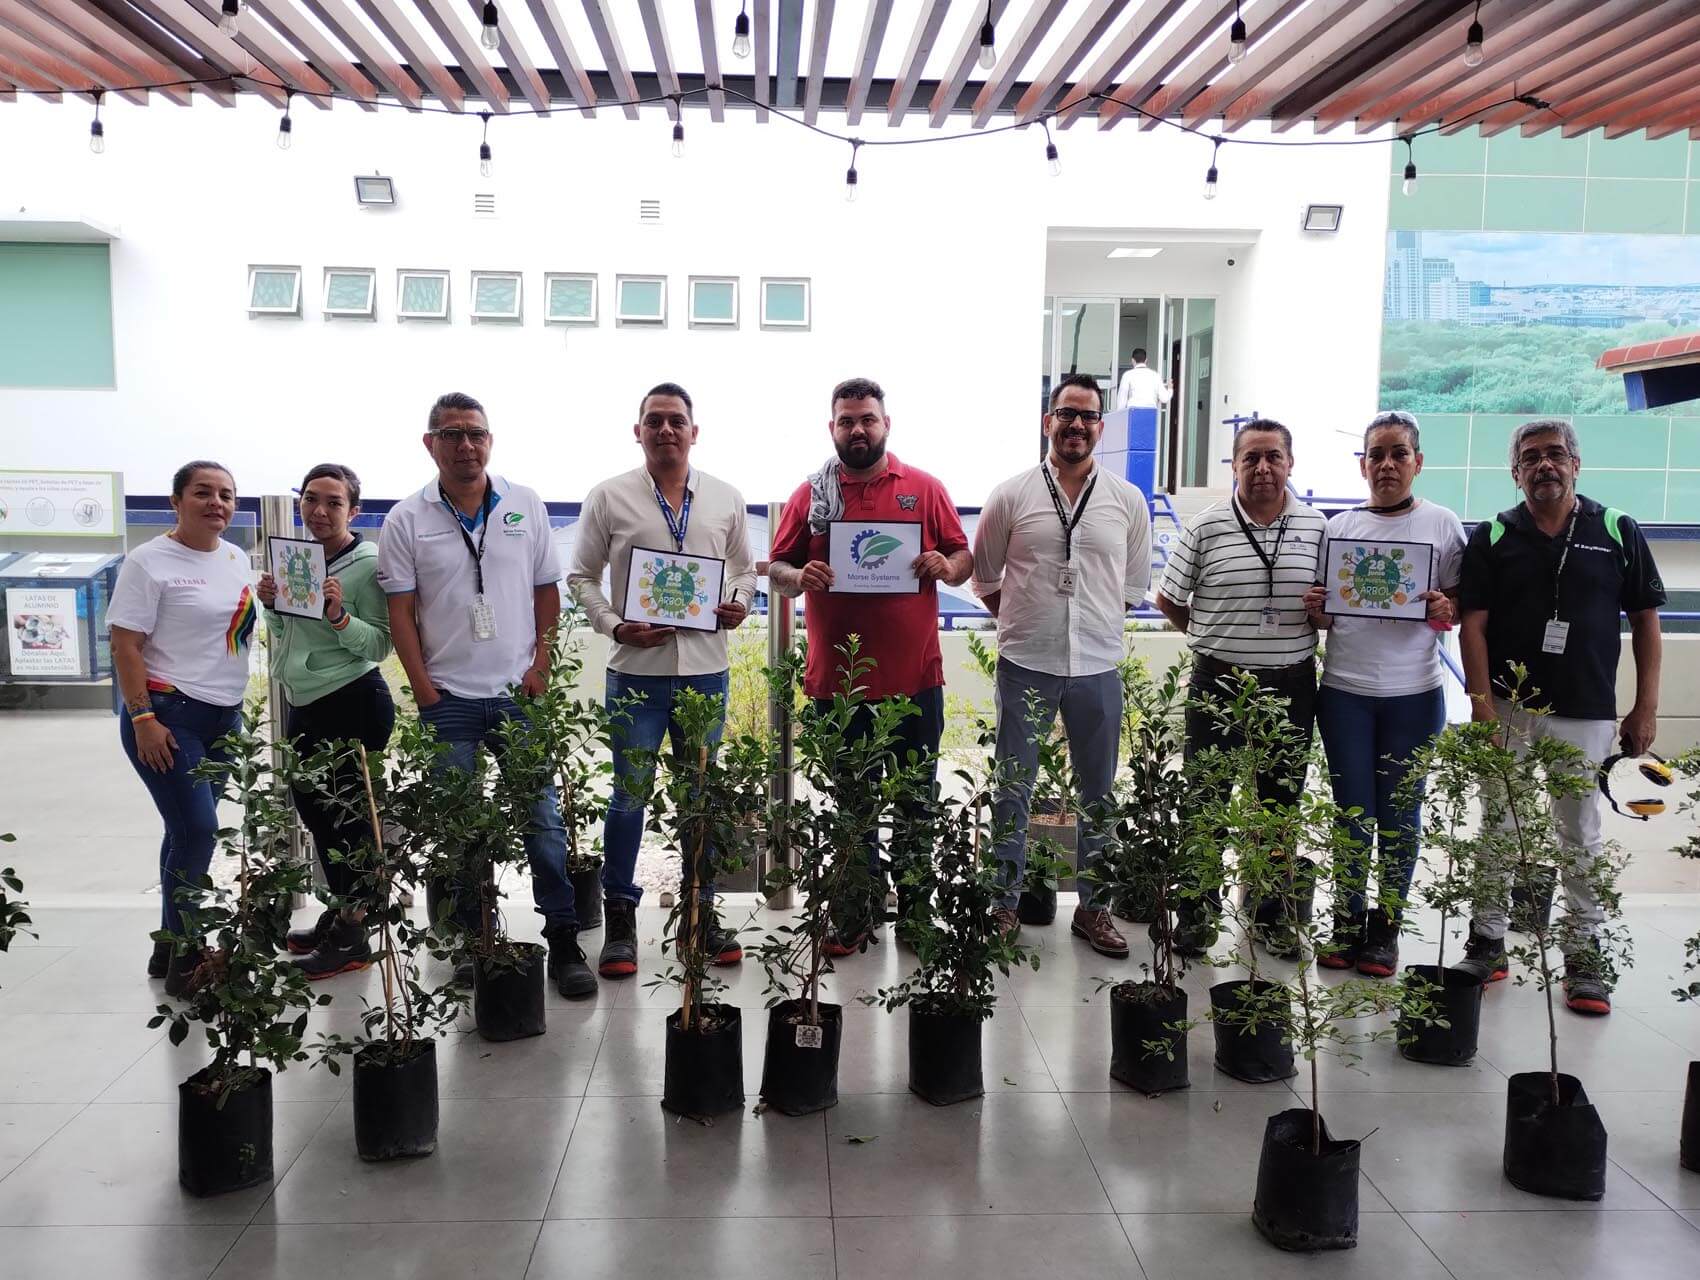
188,805
361,711
1295,683
1370,742
463,723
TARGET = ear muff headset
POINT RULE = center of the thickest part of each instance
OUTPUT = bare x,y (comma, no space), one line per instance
1654,769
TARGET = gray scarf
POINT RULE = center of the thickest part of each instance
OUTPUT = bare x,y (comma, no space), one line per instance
826,496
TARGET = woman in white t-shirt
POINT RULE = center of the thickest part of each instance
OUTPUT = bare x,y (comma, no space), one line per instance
182,618
1383,695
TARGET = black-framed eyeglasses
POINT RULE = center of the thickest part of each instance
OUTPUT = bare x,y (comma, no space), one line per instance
1558,455
455,436
1067,414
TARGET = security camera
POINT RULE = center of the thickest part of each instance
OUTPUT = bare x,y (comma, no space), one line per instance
1230,262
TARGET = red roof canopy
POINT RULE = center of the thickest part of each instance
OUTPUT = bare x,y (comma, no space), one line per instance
1659,350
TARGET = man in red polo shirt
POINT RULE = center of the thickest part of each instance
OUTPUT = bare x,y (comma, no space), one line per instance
899,632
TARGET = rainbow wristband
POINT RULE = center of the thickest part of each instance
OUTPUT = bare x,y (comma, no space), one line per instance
136,717
341,624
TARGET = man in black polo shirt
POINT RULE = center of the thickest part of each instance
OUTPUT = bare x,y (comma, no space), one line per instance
1542,586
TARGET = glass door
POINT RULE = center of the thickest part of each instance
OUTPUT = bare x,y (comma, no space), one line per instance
1083,333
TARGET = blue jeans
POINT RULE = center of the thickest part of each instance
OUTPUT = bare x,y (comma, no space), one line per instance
641,730
464,723
188,805
1370,742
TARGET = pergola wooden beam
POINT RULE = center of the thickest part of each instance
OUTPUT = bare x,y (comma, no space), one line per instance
867,57
706,40
1044,87
820,36
761,31
921,41
1013,55
514,57
439,15
325,56
567,60
261,45
376,60
613,55
97,70
1137,34
134,66
1210,81
963,64
660,52
173,27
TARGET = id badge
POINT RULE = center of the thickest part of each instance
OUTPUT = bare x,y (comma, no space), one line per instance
1556,634
1065,580
1269,622
483,619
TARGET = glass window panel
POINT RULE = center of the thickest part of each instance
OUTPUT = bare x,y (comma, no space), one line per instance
787,302
348,291
572,299
714,300
640,299
423,293
273,289
496,295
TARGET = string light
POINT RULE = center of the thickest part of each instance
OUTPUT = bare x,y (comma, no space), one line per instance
741,35
484,146
1409,186
678,140
491,36
850,179
1236,37
97,131
1051,151
285,126
1210,175
1473,40
988,41
229,12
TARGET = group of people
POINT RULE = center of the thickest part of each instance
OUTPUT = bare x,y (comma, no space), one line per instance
463,585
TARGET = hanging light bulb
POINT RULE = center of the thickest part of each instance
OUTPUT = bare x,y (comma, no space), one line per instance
678,140
484,155
851,181
285,132
1210,174
741,35
1409,186
1473,40
988,41
1053,160
1236,37
97,131
229,12
491,36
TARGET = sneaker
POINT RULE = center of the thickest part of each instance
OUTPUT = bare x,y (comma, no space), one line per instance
567,965
301,942
847,942
1094,924
722,945
1485,958
1344,946
1379,956
1585,992
160,960
1008,924
344,949
619,940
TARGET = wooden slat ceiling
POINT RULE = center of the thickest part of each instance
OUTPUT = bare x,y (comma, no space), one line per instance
1337,65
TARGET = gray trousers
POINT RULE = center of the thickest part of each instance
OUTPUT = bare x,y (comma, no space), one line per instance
1091,708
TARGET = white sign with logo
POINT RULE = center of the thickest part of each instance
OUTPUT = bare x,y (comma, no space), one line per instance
41,629
874,557
60,504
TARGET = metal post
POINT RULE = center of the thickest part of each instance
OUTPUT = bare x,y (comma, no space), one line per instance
277,519
781,785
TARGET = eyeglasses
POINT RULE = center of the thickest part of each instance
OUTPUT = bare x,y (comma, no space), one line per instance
1066,415
1392,418
455,437
1558,455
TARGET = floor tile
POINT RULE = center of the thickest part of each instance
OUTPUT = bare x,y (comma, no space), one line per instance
666,1249
157,1073
978,1248
1609,1054
382,1251
105,978
1005,1153
18,964
1435,1152
1226,1246
96,926
495,1161
115,1253
70,1057
1192,1152
1644,1136
24,1127
1075,1043
632,1060
1561,1246
630,1159
1678,1023
874,1056
554,1065
118,1165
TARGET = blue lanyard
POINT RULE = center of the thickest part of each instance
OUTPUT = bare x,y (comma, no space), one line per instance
676,527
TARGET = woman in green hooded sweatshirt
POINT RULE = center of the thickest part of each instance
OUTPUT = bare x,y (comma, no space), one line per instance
329,670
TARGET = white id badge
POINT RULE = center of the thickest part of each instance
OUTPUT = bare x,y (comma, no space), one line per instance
1556,634
1065,580
483,619
1269,622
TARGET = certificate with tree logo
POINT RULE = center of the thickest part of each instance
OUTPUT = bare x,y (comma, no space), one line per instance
298,565
667,589
874,557
1377,579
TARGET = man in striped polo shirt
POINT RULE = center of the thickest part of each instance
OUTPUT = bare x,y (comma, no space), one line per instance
1235,586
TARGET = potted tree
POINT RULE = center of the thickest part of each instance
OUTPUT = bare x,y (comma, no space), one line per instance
14,911
702,798
251,1005
847,787
395,1052
1688,765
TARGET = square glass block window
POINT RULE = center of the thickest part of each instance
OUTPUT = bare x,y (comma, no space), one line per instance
422,295
495,295
274,290
350,292
572,299
714,302
642,300
785,304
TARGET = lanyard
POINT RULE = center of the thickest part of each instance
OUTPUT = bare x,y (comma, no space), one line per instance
1269,561
1068,525
477,553
1564,555
676,527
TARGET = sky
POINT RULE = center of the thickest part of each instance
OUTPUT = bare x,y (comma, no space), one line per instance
1514,258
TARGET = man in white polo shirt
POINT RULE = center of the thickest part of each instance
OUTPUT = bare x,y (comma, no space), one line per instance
1142,387
1060,552
1235,586
667,505
473,581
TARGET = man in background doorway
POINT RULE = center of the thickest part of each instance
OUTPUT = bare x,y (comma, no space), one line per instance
1142,387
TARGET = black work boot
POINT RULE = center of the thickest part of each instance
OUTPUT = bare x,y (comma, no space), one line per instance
619,941
301,942
160,960
1344,944
1379,957
180,971
344,949
1485,958
567,965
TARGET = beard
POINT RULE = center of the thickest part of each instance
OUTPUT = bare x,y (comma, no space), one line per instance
859,457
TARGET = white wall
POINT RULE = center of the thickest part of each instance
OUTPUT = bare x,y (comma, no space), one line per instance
931,283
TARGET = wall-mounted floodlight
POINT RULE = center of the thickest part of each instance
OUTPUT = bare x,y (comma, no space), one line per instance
1323,217
376,190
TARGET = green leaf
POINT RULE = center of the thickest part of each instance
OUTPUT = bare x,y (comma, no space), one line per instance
860,1139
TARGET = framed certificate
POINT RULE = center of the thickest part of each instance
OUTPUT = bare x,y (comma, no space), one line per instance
298,564
667,589
1377,579
874,557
